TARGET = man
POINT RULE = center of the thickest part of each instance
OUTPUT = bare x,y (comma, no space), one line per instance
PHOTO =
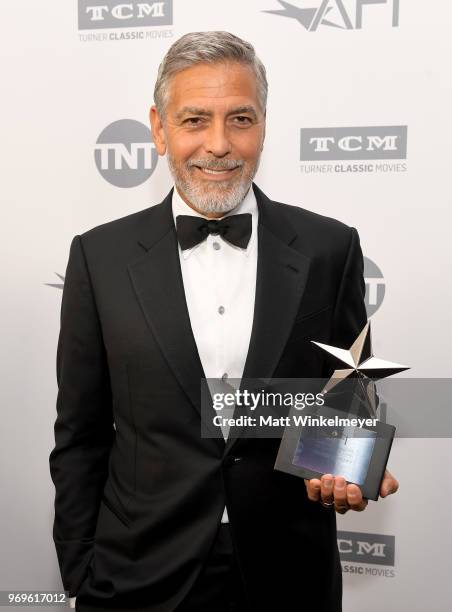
149,514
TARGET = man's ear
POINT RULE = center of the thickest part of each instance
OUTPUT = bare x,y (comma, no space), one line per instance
158,133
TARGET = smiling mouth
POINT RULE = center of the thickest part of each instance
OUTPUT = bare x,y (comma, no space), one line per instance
217,172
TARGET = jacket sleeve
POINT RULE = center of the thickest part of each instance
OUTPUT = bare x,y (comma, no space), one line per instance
350,317
84,429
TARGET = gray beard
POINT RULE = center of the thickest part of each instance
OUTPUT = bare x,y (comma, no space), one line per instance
219,197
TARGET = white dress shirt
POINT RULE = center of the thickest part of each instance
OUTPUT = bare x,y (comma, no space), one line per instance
220,284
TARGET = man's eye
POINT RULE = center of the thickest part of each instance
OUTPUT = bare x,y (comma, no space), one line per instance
242,119
193,121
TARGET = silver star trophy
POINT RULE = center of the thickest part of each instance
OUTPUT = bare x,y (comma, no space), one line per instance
358,452
360,363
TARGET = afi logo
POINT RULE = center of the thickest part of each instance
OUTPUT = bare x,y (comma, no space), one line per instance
124,153
333,13
372,548
95,14
57,285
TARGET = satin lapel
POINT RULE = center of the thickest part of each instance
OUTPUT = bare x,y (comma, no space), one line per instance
157,280
281,277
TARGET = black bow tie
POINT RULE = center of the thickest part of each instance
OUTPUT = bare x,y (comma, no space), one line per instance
192,230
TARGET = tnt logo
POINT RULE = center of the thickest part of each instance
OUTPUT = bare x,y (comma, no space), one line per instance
375,286
124,153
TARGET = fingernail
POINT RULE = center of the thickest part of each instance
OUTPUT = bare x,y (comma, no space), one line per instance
340,484
328,482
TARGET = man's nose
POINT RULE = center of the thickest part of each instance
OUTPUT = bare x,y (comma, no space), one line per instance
217,142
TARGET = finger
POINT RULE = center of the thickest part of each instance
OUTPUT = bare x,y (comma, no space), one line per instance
389,484
326,489
340,495
355,498
313,489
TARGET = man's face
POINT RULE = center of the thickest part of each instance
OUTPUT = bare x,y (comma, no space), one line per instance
213,133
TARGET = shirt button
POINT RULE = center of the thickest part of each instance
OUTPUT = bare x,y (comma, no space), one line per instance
221,309
224,377
216,246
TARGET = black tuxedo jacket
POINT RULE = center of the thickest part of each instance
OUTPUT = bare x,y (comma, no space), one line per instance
139,492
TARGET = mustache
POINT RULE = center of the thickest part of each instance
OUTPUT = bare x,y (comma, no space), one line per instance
216,164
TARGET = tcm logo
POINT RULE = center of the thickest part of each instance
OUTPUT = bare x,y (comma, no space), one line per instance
96,14
124,153
333,13
371,548
339,143
375,286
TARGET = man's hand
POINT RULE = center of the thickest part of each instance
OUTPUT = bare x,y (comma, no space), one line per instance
334,492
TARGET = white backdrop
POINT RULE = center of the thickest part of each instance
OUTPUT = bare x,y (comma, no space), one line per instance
62,88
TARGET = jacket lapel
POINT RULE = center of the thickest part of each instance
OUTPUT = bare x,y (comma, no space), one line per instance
157,280
281,277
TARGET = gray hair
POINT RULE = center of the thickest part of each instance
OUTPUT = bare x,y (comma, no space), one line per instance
207,47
